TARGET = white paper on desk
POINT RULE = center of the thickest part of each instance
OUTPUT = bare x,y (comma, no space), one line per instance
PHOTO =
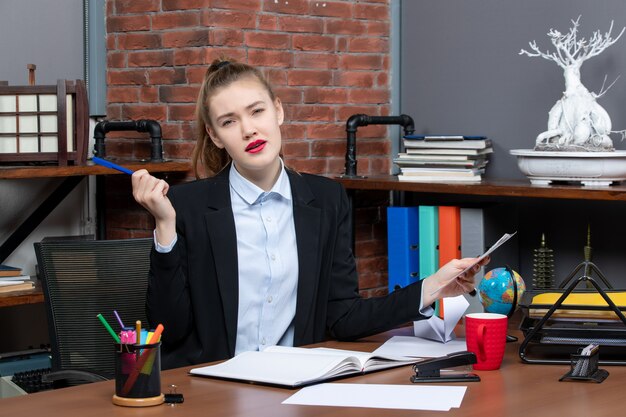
438,329
416,347
405,397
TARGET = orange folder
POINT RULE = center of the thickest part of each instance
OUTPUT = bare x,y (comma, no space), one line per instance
449,238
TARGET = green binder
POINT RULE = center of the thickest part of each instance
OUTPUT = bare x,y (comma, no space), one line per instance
428,240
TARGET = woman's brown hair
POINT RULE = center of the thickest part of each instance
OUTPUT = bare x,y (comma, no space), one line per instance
207,159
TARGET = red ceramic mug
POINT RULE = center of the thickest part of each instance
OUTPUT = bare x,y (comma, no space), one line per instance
485,334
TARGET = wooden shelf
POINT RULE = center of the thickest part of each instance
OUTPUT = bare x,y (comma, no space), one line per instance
500,188
16,172
14,298
41,171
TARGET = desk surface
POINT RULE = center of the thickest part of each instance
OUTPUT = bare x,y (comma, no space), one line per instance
514,390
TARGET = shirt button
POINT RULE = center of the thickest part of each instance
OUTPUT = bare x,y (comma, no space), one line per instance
269,299
273,257
263,341
269,219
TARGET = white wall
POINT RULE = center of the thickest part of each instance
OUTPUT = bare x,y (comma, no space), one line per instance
49,34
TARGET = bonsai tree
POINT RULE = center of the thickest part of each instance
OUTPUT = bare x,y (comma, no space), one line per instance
576,122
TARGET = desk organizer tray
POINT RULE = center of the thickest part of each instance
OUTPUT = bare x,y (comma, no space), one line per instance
557,322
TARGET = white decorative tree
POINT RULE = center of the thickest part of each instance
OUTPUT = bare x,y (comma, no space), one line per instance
576,122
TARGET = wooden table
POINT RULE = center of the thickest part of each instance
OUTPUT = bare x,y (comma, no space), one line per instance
515,390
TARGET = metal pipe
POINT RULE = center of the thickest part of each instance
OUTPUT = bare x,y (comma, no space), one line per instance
357,120
352,125
145,125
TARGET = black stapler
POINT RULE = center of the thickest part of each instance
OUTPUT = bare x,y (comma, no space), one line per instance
430,369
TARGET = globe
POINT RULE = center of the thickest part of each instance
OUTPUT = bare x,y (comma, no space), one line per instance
496,290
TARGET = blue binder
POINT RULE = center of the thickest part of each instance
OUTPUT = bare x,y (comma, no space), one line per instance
402,244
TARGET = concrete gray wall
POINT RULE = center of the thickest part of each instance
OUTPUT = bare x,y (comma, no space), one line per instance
461,72
47,33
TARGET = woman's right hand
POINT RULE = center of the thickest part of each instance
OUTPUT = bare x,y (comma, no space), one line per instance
151,193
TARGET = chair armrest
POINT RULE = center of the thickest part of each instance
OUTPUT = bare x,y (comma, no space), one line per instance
73,374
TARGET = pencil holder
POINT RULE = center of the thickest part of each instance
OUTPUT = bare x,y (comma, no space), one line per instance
138,375
585,368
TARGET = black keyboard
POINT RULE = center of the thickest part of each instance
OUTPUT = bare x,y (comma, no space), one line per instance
30,381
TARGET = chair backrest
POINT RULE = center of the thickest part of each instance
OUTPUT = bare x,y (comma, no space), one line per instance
82,278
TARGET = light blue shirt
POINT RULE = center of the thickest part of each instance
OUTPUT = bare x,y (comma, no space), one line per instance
267,256
268,262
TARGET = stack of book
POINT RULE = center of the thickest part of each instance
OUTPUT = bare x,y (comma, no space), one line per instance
11,279
443,158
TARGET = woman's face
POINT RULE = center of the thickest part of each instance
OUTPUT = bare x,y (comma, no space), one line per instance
246,122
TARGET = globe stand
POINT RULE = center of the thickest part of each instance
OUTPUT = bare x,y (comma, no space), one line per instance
509,337
513,282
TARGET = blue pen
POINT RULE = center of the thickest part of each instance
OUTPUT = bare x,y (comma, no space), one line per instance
111,165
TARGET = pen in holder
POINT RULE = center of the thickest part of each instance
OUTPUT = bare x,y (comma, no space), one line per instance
584,366
138,375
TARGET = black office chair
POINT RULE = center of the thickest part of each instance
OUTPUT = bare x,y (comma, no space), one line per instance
80,279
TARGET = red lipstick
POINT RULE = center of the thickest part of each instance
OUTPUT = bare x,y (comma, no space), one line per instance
256,146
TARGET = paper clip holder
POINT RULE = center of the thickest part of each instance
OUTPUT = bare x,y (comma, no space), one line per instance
585,368
430,369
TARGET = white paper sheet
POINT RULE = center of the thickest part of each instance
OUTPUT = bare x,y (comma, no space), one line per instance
406,397
493,247
416,347
442,330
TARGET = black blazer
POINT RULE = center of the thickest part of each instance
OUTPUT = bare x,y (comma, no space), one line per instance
193,290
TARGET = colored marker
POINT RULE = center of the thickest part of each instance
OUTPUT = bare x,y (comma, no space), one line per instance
111,165
119,320
108,327
156,335
138,332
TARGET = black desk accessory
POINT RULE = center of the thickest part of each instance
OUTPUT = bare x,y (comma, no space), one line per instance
172,398
430,369
584,366
558,336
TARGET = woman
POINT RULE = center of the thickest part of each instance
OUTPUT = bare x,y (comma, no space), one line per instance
258,254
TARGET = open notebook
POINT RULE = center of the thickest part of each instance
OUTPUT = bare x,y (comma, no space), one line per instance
295,367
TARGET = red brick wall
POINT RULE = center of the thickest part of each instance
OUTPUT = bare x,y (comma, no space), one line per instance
326,60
